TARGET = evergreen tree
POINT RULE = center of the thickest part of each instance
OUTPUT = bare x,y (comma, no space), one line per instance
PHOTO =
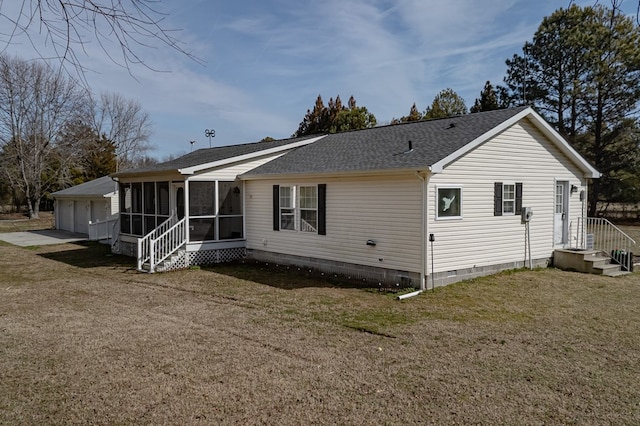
414,115
353,118
314,120
488,100
582,72
447,103
93,156
335,118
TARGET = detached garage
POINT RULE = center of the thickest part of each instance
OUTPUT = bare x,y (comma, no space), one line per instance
75,207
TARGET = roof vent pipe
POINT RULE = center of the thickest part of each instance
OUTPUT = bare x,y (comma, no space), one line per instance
410,148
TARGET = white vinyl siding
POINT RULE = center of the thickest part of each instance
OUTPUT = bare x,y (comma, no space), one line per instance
384,209
519,154
115,204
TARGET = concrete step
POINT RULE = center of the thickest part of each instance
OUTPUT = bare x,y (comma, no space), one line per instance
617,273
589,261
596,262
607,269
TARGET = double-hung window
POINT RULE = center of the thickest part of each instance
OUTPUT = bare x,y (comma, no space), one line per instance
508,198
308,209
288,207
299,208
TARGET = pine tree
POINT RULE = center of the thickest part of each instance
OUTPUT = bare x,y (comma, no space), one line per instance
335,118
582,73
488,99
447,103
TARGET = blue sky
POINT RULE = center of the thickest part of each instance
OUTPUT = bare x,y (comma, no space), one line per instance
266,61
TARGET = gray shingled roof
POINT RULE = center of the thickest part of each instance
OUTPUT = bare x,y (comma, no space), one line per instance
386,147
210,155
94,188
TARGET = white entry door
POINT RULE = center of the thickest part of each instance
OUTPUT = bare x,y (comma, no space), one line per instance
560,215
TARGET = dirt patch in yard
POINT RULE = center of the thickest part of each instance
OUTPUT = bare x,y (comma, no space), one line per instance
86,339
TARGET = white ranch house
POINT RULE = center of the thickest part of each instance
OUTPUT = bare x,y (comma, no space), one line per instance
423,203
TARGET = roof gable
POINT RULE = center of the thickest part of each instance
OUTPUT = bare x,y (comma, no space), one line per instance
541,124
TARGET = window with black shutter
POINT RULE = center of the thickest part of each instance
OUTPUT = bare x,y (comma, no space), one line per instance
507,198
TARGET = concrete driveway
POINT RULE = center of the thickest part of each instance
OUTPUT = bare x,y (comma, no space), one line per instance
41,238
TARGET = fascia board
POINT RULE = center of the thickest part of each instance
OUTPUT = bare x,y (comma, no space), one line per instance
564,146
194,169
326,175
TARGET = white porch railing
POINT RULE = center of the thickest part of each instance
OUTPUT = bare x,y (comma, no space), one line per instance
599,234
103,229
161,243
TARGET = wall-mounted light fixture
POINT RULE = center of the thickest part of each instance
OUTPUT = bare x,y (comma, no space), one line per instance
371,243
574,189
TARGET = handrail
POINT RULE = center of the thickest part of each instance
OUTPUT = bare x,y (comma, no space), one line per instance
167,243
160,243
144,246
606,237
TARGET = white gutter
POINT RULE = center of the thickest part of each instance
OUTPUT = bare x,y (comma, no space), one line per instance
423,240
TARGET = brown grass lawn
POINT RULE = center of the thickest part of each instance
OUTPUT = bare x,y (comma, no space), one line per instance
15,222
85,339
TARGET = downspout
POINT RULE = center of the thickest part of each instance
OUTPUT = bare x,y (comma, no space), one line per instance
423,240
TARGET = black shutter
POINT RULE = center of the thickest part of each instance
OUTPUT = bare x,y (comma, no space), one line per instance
497,199
322,209
276,207
519,198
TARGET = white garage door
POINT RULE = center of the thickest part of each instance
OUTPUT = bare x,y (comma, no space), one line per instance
65,215
81,217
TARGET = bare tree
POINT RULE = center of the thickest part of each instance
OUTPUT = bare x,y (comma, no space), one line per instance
123,122
70,25
35,104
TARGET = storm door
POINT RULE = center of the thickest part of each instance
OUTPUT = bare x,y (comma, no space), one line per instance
560,214
177,199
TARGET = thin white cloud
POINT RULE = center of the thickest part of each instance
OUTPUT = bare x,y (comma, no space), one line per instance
266,61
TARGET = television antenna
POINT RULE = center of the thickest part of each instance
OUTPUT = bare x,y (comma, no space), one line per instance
210,134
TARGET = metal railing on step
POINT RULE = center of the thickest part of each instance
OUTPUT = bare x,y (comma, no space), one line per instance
598,233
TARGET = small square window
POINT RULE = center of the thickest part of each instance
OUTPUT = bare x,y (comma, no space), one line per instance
449,203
